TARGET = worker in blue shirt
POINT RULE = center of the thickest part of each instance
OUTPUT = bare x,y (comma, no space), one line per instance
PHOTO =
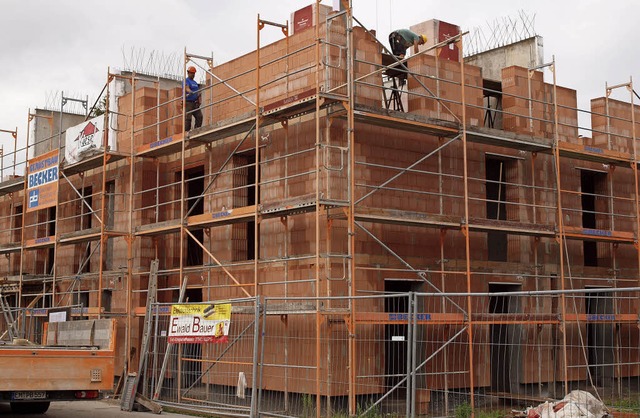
192,100
402,39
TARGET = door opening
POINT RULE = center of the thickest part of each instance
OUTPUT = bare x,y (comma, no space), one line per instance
595,215
496,197
505,339
600,337
396,335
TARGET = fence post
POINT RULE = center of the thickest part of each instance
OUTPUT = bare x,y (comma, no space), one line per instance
155,314
254,377
414,354
411,355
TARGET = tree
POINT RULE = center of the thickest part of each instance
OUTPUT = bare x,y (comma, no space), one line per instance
100,108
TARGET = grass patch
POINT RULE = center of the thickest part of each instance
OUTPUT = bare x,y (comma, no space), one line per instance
464,411
625,404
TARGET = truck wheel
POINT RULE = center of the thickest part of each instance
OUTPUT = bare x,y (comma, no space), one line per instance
29,407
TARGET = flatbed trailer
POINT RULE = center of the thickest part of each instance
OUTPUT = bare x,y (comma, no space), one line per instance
76,362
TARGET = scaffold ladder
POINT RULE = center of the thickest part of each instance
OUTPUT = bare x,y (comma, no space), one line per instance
131,384
169,350
8,316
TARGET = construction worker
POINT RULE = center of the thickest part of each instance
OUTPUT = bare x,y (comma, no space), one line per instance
192,100
402,39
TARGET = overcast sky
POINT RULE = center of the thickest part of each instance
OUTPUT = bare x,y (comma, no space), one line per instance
49,46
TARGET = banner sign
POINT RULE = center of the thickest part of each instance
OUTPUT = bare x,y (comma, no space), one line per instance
42,181
202,323
303,19
84,140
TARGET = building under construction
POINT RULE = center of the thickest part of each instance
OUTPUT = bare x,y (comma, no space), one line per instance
403,236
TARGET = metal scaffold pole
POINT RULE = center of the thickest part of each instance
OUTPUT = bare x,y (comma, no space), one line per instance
349,103
104,218
130,310
561,237
465,227
256,219
319,318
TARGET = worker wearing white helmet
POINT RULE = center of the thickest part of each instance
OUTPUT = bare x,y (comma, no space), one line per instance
402,39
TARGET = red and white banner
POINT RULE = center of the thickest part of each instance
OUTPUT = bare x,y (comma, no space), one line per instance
84,140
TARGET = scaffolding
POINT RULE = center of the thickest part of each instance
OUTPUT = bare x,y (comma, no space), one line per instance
314,183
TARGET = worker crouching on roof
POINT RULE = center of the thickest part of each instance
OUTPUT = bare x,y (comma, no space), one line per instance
192,100
402,39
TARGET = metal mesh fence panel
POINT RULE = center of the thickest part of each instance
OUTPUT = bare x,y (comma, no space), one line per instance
215,377
408,354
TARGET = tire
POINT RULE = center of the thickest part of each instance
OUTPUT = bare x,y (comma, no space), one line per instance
29,407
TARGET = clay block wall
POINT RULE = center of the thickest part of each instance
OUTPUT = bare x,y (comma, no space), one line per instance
215,201
613,132
368,59
386,148
301,352
157,116
145,192
567,113
69,221
10,221
6,222
173,110
540,122
527,359
288,163
515,102
240,72
71,205
34,260
623,181
303,343
426,192
545,195
284,176
10,232
442,78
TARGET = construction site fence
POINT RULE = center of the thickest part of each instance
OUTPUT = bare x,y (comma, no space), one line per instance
405,354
